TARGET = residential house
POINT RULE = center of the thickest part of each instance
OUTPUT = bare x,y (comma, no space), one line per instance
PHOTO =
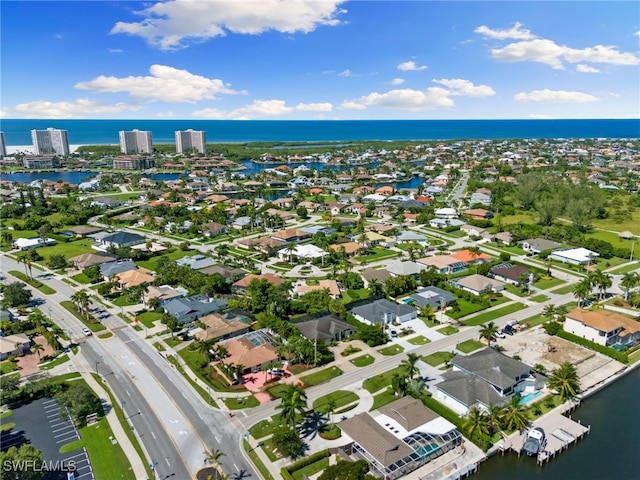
473,231
305,252
252,350
446,213
478,284
81,231
384,312
385,190
35,242
575,256
350,248
230,274
470,257
513,274
400,267
133,278
285,216
14,345
196,262
163,293
266,245
290,235
380,275
243,283
186,310
218,327
478,214
436,297
402,437
480,197
442,223
109,269
503,237
539,245
335,208
284,202
444,264
603,327
326,329
330,285
107,202
484,378
121,239
212,229
409,236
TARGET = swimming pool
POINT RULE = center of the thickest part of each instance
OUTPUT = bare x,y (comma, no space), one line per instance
408,300
529,397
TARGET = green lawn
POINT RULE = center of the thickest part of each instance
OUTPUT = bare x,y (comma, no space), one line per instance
107,459
391,350
46,289
634,357
419,340
309,470
545,283
377,253
626,268
469,346
7,366
381,380
436,358
147,318
363,360
68,249
124,301
177,255
321,377
535,320
82,278
564,290
465,308
448,330
382,399
539,298
241,402
55,362
255,459
492,315
92,324
352,295
341,397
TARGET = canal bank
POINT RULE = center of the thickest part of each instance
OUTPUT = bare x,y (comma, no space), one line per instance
607,453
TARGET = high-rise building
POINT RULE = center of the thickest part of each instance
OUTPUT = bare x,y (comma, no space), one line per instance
136,141
194,140
3,146
50,141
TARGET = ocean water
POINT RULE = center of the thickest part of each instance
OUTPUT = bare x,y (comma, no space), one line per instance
101,132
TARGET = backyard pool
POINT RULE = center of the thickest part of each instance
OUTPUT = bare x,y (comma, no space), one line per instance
529,397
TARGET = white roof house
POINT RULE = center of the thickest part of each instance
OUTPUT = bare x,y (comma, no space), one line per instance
303,251
575,256
446,213
27,243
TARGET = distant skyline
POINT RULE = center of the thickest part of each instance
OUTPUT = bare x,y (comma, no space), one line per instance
320,59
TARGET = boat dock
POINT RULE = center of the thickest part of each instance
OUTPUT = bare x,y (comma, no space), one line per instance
560,432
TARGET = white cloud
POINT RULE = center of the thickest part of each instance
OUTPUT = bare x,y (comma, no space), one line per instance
554,96
346,73
79,108
411,66
165,114
174,24
165,83
115,50
415,100
515,32
460,87
262,109
550,53
397,81
582,68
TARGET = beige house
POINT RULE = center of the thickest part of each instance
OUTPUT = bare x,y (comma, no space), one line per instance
220,327
603,327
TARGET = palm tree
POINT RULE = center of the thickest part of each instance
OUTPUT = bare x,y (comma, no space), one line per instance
214,456
565,381
475,253
204,348
81,299
37,348
476,421
222,251
411,364
7,237
602,282
294,401
582,291
514,416
488,331
330,408
493,418
629,280
428,313
376,289
549,311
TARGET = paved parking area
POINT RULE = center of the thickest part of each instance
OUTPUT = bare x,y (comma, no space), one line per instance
41,424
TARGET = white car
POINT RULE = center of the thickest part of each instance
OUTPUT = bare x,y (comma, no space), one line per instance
87,332
500,334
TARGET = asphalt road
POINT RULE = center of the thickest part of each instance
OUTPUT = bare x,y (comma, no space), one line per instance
174,424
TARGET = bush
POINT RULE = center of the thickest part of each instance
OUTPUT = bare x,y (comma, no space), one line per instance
608,351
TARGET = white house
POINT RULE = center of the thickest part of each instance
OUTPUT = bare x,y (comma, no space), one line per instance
28,243
575,256
603,327
446,213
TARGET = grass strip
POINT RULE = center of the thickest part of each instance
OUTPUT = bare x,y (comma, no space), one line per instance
46,289
255,459
321,377
92,324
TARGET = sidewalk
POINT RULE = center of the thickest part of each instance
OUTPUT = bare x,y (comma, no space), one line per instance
116,427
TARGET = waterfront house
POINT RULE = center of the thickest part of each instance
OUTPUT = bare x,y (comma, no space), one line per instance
403,436
484,378
603,327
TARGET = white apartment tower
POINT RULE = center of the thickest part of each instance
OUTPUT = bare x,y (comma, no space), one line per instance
3,146
50,141
194,140
135,141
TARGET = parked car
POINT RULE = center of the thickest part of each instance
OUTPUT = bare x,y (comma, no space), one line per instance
87,332
500,334
509,330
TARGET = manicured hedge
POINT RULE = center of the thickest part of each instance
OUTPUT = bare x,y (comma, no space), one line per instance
287,471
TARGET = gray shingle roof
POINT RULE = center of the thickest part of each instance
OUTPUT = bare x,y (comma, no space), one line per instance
375,312
492,366
324,328
433,296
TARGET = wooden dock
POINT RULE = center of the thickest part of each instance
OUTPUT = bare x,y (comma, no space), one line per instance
560,432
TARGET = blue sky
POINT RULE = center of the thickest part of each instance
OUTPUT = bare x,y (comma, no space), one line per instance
320,59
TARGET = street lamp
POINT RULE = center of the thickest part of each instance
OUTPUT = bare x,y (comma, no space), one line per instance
153,466
50,314
123,403
97,363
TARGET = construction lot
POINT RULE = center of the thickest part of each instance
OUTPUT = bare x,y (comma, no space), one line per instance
536,347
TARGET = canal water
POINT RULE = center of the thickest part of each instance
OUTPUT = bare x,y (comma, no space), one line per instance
610,452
